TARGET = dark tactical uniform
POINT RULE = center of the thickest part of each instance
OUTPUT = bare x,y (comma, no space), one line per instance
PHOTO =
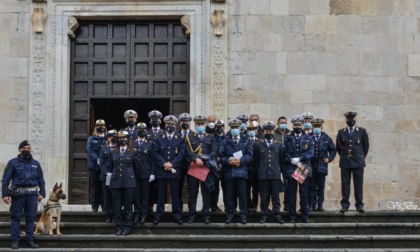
352,146
23,173
279,137
196,146
131,128
144,168
104,157
123,186
324,148
168,150
301,147
235,177
253,182
93,148
215,193
268,159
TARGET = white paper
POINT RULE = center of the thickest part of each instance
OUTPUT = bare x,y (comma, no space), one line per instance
238,154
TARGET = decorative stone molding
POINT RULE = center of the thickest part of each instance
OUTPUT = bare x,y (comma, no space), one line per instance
185,23
38,20
72,24
218,21
39,1
219,1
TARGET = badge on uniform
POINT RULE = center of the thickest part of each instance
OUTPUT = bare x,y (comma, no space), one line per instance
306,146
358,141
176,150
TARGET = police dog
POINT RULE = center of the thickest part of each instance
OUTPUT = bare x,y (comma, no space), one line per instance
51,210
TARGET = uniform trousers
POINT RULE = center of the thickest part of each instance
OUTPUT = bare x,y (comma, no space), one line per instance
25,204
303,194
236,189
252,193
269,188
123,207
108,207
141,198
96,189
358,186
176,201
193,185
316,188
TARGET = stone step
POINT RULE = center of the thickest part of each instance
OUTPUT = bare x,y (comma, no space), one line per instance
69,228
317,217
225,241
22,248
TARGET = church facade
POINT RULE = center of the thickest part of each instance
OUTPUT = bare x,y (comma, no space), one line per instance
66,63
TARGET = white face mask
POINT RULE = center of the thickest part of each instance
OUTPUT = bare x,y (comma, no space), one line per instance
210,125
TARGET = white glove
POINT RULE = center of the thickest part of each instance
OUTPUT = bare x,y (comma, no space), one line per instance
299,164
108,174
99,162
295,160
173,170
152,177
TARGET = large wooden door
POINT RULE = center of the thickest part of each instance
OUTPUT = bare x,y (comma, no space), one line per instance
124,63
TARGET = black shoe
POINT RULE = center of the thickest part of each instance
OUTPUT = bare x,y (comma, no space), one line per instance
279,220
243,220
312,208
343,210
320,208
216,210
206,219
108,220
228,220
360,210
125,232
142,221
305,220
192,219
32,244
286,208
119,232
156,221
292,220
263,219
136,221
95,209
179,222
15,244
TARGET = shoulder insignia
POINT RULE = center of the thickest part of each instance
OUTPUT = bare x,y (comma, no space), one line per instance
357,128
289,134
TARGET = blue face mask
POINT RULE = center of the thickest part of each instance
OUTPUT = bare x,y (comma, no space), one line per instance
317,131
200,129
307,125
251,134
234,132
283,126
243,126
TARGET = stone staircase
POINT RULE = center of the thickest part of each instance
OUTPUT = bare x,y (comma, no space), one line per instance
328,231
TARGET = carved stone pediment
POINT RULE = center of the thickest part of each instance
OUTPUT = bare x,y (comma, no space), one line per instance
218,21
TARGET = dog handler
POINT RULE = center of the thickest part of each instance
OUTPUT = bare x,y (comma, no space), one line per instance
26,188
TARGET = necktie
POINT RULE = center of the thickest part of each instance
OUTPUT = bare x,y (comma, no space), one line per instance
184,134
317,138
141,143
350,131
154,132
268,143
235,140
200,136
169,138
122,152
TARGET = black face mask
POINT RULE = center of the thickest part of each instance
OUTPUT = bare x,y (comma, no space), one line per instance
170,129
351,122
100,130
141,133
268,136
122,142
219,130
26,154
155,123
297,130
130,123
113,140
185,126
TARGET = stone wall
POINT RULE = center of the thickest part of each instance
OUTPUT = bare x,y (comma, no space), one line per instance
327,57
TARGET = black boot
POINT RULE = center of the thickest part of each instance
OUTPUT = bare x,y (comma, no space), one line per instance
15,244
32,244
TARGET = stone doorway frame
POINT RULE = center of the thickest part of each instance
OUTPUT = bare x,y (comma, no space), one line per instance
49,105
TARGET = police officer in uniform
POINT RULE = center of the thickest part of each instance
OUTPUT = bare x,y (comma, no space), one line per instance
93,148
268,159
299,148
244,119
352,146
307,126
131,120
252,186
185,130
235,155
199,147
324,154
168,153
104,161
219,135
23,185
144,167
123,182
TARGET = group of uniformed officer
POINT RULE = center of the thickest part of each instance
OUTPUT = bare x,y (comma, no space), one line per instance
252,162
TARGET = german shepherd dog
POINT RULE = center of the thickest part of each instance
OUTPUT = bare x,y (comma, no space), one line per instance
51,210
